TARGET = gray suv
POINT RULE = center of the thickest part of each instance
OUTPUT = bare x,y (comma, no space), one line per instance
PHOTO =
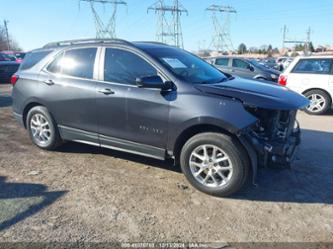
245,68
158,101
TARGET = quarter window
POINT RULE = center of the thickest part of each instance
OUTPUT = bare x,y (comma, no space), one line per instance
314,66
125,67
76,62
33,58
222,62
240,63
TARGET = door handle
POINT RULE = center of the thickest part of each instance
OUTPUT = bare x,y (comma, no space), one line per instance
106,91
49,82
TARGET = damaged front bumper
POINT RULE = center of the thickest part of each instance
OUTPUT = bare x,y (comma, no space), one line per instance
278,153
274,138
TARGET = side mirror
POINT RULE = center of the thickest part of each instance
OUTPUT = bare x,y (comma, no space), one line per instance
250,67
154,82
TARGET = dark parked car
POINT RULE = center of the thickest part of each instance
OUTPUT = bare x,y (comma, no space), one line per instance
7,69
6,57
158,101
245,68
18,56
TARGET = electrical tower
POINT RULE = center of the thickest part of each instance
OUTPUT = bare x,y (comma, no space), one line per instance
168,27
221,39
105,29
306,41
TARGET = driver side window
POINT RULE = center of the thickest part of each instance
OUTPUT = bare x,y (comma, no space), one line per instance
125,67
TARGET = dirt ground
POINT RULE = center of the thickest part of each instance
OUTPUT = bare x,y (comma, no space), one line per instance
83,193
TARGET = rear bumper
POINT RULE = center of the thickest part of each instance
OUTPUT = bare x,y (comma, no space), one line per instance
18,118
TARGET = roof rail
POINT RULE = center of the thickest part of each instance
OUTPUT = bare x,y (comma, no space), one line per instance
85,41
153,42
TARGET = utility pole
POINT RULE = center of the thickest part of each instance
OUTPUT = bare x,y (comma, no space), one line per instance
105,29
7,33
284,36
221,40
169,30
308,40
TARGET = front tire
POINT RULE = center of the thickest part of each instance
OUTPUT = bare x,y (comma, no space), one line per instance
42,128
320,102
215,163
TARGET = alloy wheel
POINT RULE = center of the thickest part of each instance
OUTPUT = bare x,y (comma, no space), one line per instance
211,166
40,128
317,103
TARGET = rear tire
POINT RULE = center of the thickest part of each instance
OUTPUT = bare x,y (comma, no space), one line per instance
224,169
320,102
42,129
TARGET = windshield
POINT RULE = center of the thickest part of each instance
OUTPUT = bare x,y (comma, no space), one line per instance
6,57
186,66
19,55
258,64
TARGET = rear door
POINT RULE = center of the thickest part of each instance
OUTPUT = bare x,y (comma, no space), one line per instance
223,64
68,85
241,68
311,73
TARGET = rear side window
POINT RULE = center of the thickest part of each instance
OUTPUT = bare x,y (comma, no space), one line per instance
239,63
222,62
314,66
125,67
76,62
33,58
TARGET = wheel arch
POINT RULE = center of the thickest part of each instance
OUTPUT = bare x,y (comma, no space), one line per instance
207,127
193,130
26,110
259,76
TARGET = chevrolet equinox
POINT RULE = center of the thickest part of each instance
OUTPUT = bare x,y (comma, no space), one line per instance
159,101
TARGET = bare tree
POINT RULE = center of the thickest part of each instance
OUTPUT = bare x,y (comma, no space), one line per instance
13,45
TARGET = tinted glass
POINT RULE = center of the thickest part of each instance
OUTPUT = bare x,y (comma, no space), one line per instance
222,61
316,66
76,62
7,57
33,58
240,63
186,66
125,67
54,67
19,55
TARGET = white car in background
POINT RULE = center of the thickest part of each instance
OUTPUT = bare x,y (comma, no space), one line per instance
312,77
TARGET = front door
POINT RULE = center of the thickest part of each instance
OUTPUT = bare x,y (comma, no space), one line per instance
242,69
143,124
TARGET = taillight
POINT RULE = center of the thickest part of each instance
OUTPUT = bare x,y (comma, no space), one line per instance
283,80
14,79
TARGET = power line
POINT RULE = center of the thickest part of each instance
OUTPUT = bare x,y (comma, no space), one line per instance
221,40
168,28
105,29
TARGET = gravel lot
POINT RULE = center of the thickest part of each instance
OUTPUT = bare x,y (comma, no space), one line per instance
83,193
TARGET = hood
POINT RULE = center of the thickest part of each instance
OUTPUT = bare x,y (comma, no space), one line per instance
9,63
257,94
271,70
